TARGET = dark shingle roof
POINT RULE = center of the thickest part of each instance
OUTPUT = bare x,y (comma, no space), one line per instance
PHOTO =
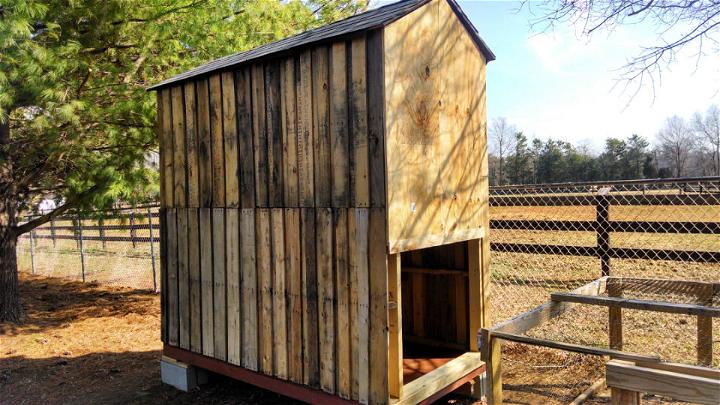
368,20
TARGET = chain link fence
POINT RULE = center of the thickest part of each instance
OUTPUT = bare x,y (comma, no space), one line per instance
544,239
559,237
118,247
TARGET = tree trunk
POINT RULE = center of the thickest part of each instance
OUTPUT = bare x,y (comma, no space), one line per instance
10,307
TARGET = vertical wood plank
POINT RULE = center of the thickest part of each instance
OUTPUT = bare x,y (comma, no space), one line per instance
168,172
342,294
293,260
205,172
274,134
339,154
260,139
193,180
395,360
232,266
264,275
279,291
230,139
377,251
475,291
162,141
705,329
206,282
163,276
491,350
321,134
289,133
243,95
485,270
615,318
376,118
311,359
359,301
461,314
195,281
249,296
172,275
305,148
326,298
179,153
216,138
183,278
359,181
219,285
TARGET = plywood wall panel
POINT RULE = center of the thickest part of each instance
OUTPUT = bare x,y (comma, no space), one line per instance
434,103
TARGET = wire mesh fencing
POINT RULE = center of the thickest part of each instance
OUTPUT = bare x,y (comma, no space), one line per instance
556,238
118,247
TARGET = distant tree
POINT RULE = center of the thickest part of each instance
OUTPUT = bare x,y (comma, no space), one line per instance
681,24
612,160
708,127
636,154
502,139
675,142
519,163
75,120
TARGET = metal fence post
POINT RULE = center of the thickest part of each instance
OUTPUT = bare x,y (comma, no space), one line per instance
32,248
602,228
82,253
152,248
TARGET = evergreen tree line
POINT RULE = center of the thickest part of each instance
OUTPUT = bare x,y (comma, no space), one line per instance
681,148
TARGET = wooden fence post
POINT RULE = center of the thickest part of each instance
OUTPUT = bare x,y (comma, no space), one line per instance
32,247
101,230
52,231
80,240
602,229
133,232
152,249
614,289
705,329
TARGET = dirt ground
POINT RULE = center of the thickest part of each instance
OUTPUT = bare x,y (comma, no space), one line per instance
93,344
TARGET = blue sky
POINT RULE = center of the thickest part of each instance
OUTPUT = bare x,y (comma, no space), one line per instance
555,83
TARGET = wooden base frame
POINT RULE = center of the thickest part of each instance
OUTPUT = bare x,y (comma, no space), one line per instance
286,388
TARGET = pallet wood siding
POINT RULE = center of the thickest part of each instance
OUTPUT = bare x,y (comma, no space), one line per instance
288,181
435,102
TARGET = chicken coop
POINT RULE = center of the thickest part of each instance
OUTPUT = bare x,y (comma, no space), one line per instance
325,209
